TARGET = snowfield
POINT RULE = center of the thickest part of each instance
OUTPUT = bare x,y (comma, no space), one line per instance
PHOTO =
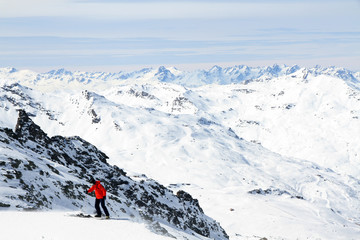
269,152
63,225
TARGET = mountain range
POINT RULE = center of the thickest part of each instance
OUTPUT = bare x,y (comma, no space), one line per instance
268,152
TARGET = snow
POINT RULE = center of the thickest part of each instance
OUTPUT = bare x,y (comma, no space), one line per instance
289,130
62,225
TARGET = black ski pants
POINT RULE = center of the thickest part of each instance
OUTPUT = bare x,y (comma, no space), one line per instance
97,207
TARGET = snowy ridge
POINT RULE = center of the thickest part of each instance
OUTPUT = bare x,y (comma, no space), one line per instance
215,75
39,172
273,154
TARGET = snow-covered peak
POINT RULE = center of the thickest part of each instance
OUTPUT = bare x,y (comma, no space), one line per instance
61,71
8,70
215,69
165,75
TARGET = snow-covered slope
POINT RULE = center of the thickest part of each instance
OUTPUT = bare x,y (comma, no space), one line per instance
38,172
269,152
56,225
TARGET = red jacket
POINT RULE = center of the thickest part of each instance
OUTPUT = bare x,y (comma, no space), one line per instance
100,191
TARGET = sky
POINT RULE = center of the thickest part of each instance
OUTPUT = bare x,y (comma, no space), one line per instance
114,35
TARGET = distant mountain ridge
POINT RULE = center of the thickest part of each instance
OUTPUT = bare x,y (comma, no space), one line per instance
195,78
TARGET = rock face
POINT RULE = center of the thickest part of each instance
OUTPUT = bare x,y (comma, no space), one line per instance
26,130
39,172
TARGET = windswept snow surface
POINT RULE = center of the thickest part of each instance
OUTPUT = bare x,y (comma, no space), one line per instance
268,152
63,225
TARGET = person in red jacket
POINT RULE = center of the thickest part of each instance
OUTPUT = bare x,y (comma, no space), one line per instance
100,194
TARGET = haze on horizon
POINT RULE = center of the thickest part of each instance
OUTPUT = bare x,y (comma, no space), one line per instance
114,35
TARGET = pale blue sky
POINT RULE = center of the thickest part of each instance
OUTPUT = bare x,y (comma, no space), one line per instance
115,35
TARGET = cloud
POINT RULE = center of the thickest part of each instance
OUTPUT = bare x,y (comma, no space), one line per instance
130,10
123,10
60,32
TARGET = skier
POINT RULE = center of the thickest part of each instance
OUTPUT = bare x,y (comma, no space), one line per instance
100,194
